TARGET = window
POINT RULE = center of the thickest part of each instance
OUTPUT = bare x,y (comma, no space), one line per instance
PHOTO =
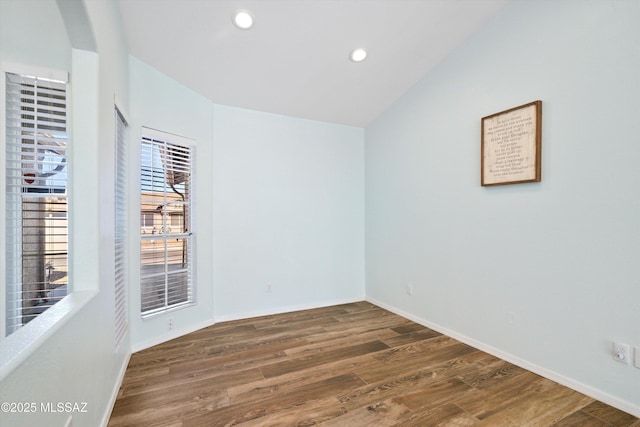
176,220
147,221
166,251
120,229
36,197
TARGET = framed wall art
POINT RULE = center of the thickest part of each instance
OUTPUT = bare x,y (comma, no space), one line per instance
512,146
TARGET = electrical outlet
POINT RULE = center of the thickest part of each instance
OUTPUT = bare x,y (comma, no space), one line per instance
621,352
409,289
636,361
268,288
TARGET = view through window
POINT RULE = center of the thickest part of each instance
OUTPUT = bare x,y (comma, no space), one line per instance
36,198
166,249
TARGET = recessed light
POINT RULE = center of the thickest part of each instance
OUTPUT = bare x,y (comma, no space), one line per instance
243,19
358,55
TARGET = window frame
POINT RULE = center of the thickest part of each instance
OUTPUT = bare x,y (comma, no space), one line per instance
59,78
163,232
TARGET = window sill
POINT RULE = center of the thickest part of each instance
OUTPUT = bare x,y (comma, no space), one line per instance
171,309
17,347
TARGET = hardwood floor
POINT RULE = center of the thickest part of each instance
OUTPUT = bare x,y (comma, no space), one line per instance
348,365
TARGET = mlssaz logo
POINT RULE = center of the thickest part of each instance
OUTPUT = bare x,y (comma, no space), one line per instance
66,407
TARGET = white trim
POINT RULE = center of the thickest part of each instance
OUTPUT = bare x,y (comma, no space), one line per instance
623,405
166,310
286,309
114,392
247,315
42,73
166,136
174,333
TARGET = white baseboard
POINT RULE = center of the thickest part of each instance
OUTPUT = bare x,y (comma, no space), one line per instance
238,316
286,309
623,405
174,333
114,392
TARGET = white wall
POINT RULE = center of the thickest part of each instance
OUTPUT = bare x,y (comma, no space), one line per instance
32,31
278,200
545,274
158,102
288,211
76,361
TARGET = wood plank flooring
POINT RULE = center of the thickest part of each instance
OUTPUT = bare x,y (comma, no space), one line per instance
349,365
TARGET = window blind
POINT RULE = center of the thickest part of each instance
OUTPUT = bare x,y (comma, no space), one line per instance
36,197
121,253
166,244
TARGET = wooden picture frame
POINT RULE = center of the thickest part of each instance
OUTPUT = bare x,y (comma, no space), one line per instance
511,150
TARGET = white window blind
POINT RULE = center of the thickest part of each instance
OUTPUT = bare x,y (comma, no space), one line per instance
36,197
166,239
121,253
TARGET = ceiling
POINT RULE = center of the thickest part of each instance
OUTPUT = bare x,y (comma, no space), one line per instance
295,59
